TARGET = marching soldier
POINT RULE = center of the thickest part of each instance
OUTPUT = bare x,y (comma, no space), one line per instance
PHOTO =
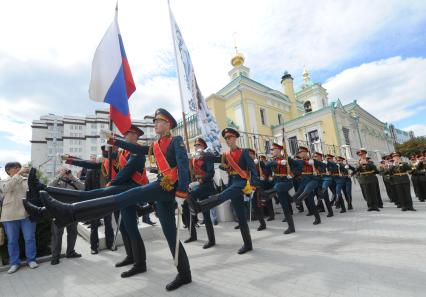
401,182
349,171
414,174
258,202
326,179
204,173
340,183
308,183
283,182
420,171
173,181
384,171
368,180
241,170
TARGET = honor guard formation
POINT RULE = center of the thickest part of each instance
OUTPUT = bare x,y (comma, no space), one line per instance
320,182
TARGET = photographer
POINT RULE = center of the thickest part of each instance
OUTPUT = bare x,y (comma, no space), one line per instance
65,180
15,218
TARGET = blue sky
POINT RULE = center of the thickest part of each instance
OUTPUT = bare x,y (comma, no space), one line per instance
371,51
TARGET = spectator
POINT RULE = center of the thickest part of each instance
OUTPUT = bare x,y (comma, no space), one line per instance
95,180
65,180
14,217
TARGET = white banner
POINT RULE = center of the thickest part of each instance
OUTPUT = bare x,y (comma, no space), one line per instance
206,121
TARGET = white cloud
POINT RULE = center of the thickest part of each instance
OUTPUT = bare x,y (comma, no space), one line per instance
418,129
391,89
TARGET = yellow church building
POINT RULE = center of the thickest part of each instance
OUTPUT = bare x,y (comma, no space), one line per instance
261,114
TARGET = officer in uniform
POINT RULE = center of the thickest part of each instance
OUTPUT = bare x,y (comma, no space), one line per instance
259,202
173,181
203,170
368,180
283,182
348,172
401,182
308,183
340,183
241,170
414,175
326,179
419,172
384,172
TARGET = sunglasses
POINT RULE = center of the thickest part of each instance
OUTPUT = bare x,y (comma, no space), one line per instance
229,137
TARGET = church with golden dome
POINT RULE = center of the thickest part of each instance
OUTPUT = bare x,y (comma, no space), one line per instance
293,115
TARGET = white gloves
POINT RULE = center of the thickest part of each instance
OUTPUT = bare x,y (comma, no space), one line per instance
311,162
289,177
256,161
106,134
179,202
347,167
283,162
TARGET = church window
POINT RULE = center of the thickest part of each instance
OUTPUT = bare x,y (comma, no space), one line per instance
263,116
346,135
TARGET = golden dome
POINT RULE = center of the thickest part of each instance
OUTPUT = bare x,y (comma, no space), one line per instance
237,60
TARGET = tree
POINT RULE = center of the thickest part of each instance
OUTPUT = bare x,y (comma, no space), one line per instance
412,146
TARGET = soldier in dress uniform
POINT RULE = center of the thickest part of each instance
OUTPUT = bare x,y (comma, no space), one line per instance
340,183
368,180
349,171
242,172
401,182
170,187
280,166
414,175
258,201
203,173
309,182
326,179
420,171
384,172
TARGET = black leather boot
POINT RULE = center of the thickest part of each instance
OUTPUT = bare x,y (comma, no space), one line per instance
210,235
350,207
320,206
65,214
65,195
180,280
184,271
143,210
209,203
129,253
290,222
193,232
245,233
342,205
317,217
139,256
34,188
302,197
328,206
36,213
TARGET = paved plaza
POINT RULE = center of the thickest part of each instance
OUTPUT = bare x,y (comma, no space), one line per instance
359,253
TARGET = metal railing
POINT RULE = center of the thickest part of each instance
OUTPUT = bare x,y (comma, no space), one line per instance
262,143
192,127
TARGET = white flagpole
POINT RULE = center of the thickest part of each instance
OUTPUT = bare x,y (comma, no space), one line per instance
184,122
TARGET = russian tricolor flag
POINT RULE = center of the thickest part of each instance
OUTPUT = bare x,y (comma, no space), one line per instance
111,80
